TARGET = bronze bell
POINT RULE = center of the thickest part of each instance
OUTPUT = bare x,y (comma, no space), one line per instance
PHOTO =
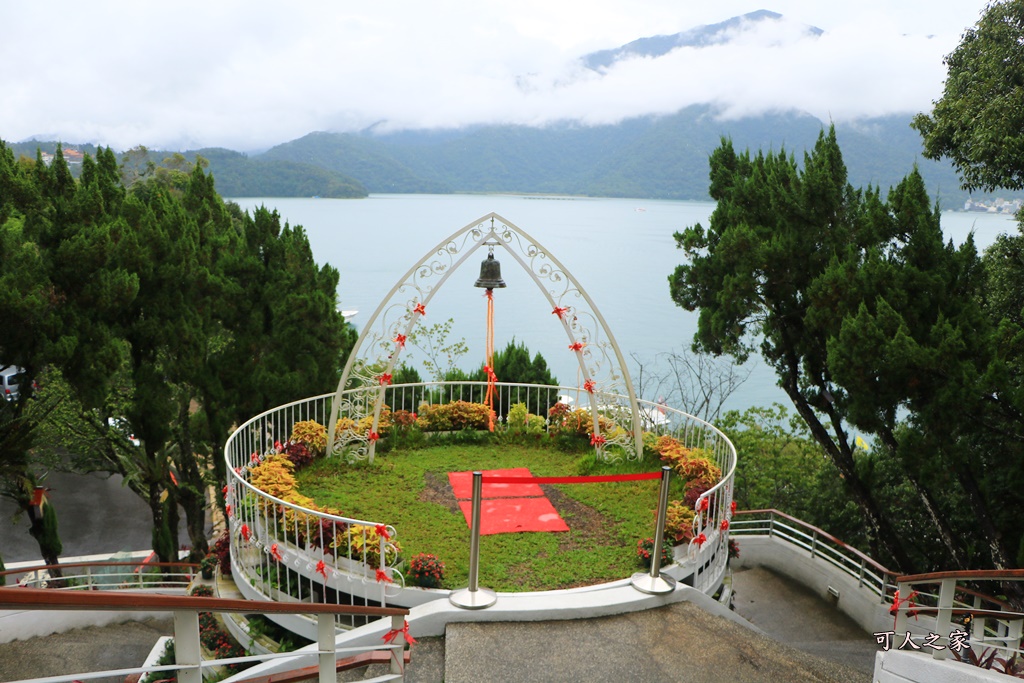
490,273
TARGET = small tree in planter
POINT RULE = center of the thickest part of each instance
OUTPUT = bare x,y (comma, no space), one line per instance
208,565
426,570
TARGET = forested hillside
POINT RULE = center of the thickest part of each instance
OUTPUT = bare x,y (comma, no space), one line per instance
652,157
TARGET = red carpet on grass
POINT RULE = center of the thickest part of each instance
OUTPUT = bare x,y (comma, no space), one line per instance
507,508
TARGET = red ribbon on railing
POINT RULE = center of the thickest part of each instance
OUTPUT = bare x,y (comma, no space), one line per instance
576,346
560,311
385,378
597,440
321,568
420,308
373,436
382,531
590,479
390,636
382,577
276,553
400,341
589,385
897,601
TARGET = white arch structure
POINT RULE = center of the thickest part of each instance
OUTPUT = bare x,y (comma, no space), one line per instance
376,352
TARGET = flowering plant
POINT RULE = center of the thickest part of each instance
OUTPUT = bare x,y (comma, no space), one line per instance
734,548
426,570
644,550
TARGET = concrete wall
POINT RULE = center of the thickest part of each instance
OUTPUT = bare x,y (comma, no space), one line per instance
19,625
817,574
902,666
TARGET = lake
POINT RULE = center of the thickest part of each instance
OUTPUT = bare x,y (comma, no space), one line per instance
620,250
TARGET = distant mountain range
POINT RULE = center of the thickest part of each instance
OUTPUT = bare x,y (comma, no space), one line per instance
657,157
700,36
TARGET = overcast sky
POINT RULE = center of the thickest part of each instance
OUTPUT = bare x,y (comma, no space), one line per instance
251,74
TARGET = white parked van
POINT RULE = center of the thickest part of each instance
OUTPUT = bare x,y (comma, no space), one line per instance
10,376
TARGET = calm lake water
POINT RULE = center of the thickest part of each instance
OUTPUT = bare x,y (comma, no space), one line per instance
620,250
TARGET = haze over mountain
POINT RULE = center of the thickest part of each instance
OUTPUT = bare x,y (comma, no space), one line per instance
264,73
701,36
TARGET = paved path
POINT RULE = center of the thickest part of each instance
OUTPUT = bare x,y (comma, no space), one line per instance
786,611
806,640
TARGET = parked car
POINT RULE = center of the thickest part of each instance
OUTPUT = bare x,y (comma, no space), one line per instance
10,377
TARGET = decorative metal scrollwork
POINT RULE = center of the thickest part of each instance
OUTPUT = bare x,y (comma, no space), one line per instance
359,400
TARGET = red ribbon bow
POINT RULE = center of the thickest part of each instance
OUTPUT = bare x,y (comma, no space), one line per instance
560,311
576,346
254,458
419,308
278,447
725,525
382,577
321,568
732,507
589,385
373,436
700,540
224,490
246,534
275,553
227,509
385,378
597,440
382,531
400,340
490,373
390,636
703,504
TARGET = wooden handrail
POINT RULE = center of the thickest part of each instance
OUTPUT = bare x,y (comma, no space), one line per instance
966,575
823,534
40,598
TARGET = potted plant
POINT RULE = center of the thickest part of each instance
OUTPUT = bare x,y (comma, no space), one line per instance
208,565
426,570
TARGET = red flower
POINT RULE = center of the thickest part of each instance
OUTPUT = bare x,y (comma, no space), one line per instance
385,378
246,534
576,346
382,531
597,440
560,311
382,577
373,436
321,568
419,308
275,553
700,540
589,385
725,525
400,340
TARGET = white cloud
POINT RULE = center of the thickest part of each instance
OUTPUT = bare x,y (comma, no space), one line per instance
251,74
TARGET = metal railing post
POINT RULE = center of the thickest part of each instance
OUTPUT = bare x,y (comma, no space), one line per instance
326,648
474,597
398,654
653,582
187,652
944,616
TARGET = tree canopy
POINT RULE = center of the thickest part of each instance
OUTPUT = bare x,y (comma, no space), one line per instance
979,120
156,311
872,324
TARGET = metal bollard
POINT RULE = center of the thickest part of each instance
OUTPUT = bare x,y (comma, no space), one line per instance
653,582
474,597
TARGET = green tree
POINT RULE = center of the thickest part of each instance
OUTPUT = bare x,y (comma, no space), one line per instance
979,121
863,312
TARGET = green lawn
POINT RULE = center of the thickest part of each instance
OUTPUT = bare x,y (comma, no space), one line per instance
409,489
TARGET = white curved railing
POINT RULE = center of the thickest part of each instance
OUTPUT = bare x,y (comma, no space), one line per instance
281,550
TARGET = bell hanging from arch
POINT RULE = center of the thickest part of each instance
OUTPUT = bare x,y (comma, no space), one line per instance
490,273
